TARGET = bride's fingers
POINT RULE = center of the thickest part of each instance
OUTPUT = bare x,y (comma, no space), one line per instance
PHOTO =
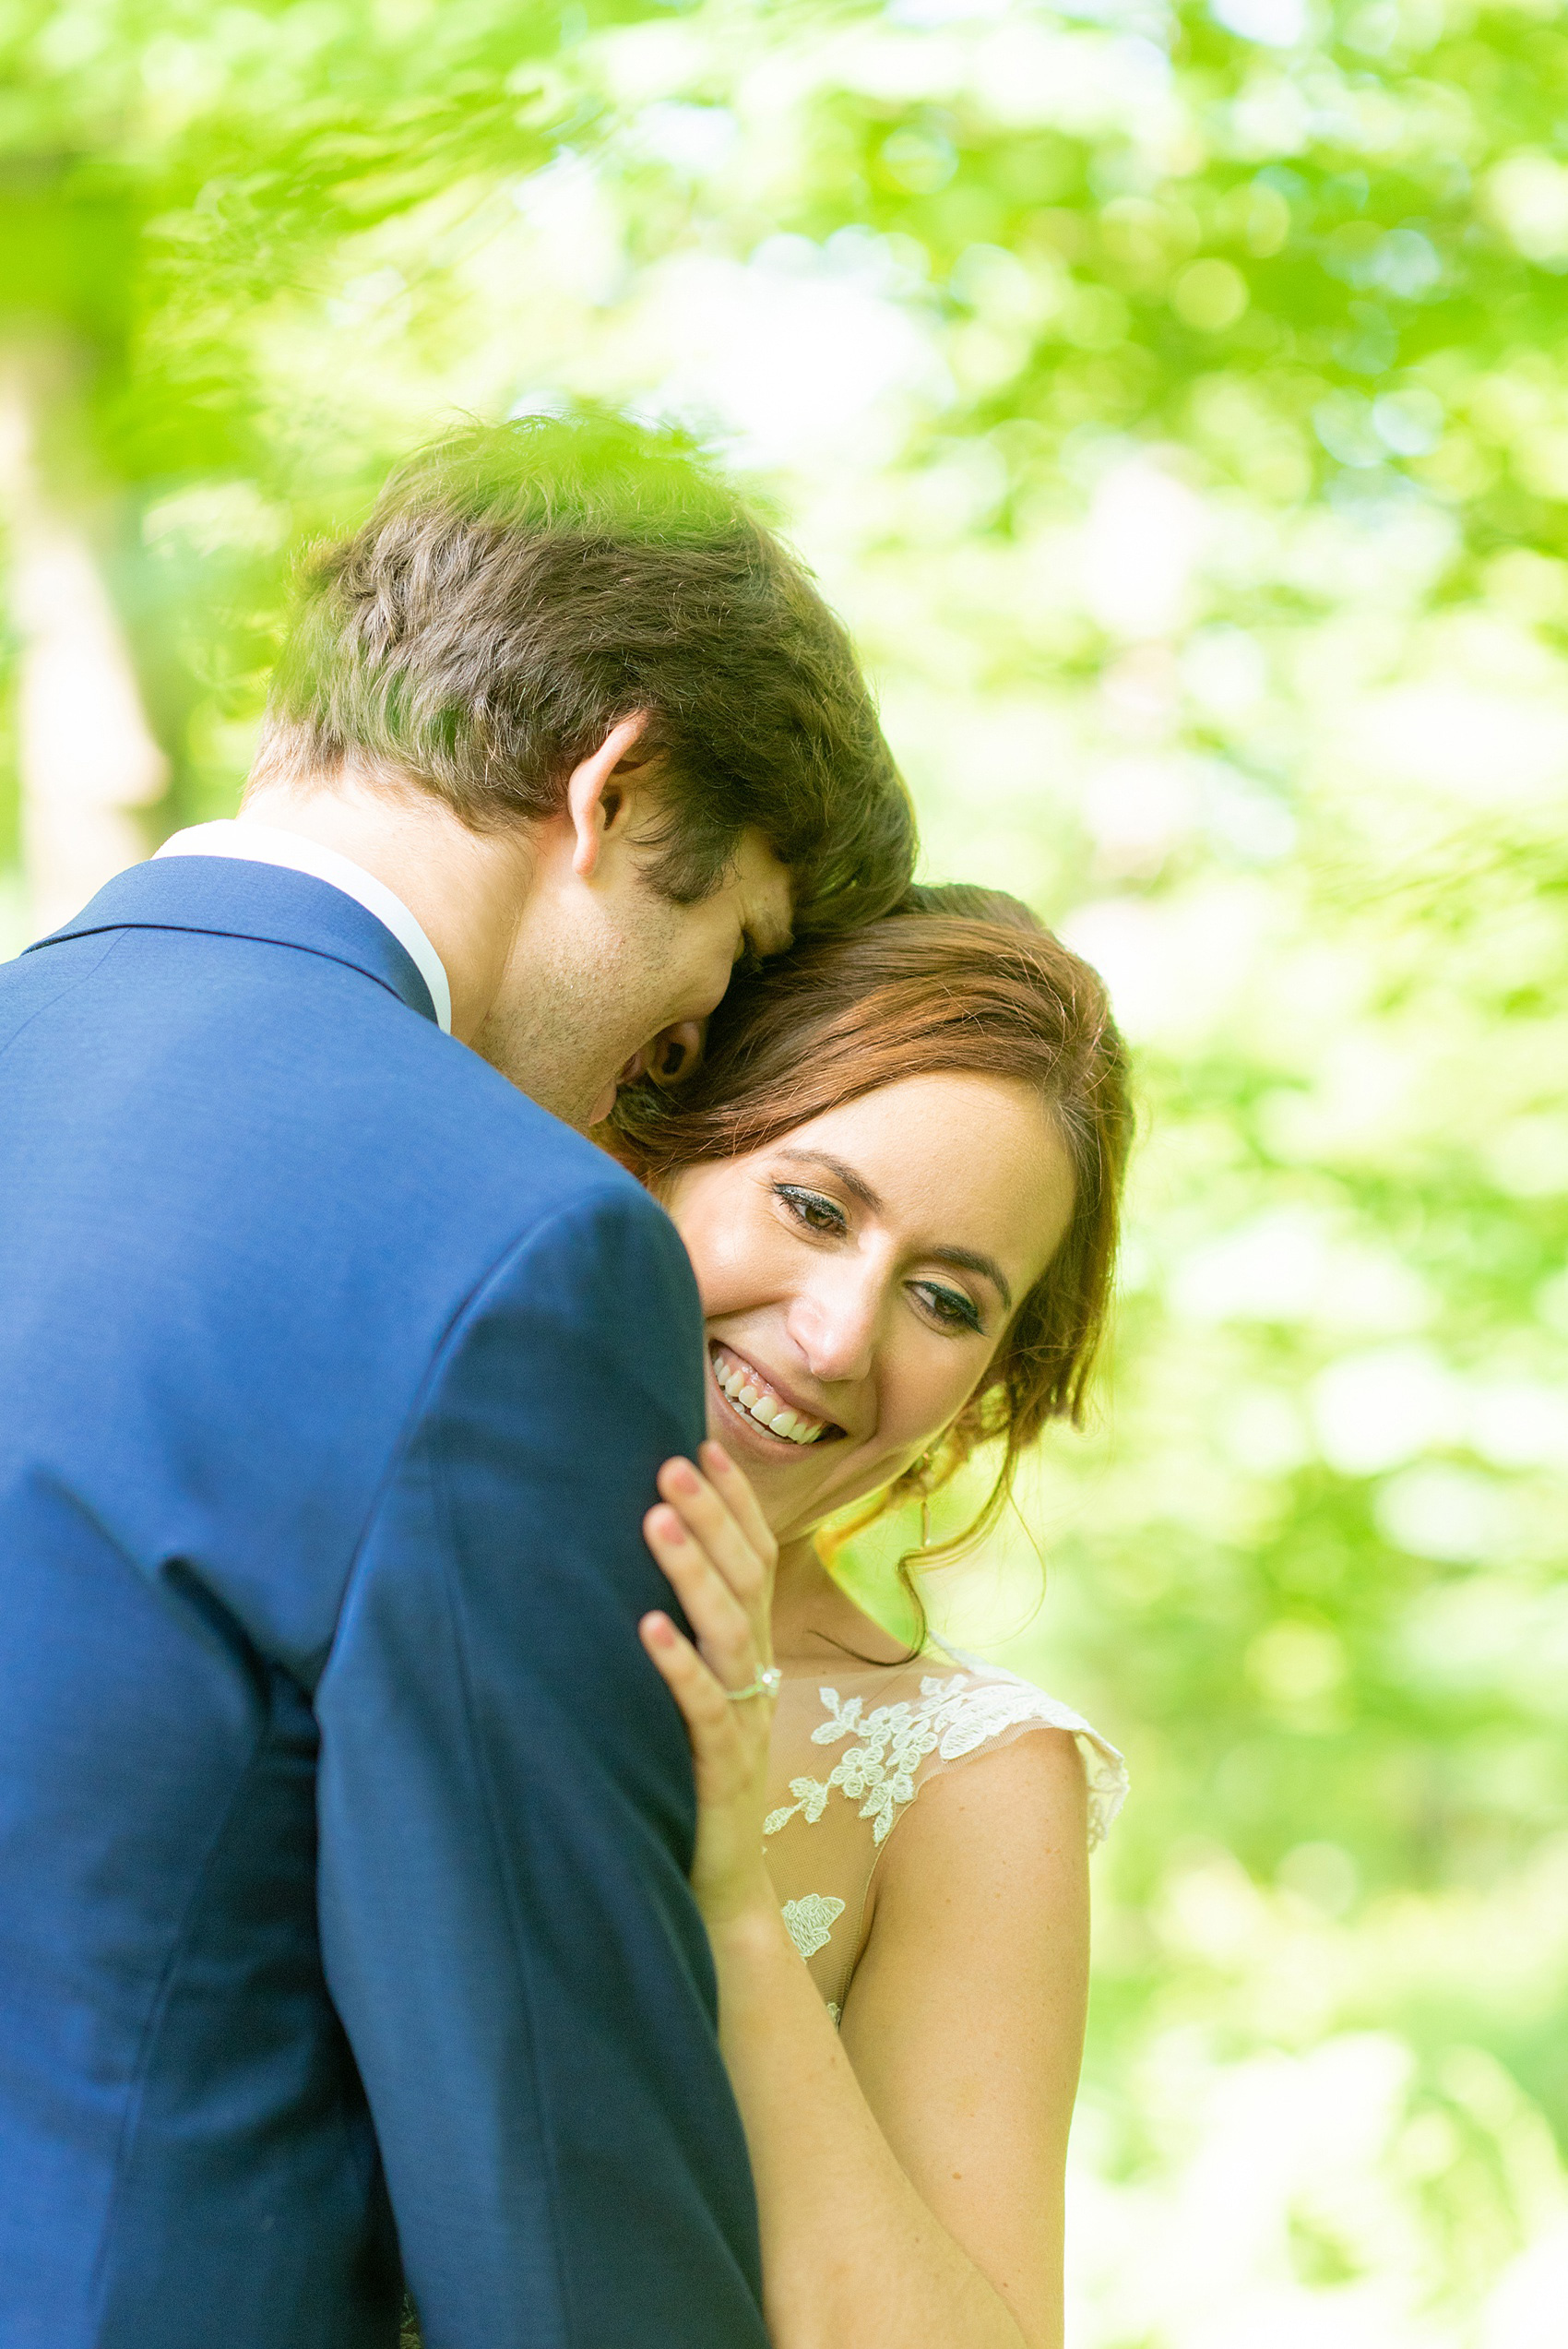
734,1489
746,1564
709,1716
725,1631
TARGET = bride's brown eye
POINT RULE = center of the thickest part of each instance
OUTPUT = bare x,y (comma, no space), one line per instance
810,1208
949,1307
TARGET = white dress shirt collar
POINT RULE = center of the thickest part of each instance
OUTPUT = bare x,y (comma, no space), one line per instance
266,844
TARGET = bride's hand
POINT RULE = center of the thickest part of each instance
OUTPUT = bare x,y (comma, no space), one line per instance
710,1539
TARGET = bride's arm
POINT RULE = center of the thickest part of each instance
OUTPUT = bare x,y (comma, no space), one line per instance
909,2175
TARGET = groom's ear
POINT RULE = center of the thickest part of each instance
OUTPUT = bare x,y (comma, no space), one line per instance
595,796
675,1052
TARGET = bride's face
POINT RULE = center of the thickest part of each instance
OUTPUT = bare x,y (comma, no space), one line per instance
858,1276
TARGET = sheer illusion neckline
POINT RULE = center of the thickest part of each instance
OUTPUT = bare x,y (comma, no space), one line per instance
853,1744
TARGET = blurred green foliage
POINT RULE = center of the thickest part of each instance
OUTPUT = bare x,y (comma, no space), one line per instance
1175,400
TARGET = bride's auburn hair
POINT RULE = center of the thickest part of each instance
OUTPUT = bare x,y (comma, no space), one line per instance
958,979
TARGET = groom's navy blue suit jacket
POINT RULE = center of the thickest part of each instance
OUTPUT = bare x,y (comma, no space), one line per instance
343,1824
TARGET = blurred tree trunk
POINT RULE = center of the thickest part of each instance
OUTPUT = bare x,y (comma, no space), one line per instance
87,756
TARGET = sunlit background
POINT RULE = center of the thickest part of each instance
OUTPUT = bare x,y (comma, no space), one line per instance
1175,402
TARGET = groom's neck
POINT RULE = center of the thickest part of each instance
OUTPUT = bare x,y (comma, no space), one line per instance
467,890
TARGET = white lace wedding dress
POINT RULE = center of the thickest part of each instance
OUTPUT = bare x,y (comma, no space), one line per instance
851,1749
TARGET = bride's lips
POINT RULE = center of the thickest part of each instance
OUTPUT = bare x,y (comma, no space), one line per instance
763,1405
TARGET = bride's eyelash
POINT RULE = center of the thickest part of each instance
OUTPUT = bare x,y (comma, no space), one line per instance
949,1307
812,1208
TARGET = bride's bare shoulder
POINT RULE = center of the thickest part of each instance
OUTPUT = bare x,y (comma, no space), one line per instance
1017,1814
987,1876
974,1966
1022,1795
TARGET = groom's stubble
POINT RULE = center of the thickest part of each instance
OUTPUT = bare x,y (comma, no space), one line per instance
588,988
568,1023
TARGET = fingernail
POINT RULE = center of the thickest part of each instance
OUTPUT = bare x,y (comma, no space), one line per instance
682,1475
715,1457
660,1630
673,1529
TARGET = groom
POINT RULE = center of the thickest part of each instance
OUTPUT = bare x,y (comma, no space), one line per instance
344,1928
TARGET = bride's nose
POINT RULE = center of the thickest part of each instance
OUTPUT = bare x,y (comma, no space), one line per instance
834,1320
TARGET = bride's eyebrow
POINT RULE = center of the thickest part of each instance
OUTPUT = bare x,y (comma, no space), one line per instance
856,1185
961,1259
968,1260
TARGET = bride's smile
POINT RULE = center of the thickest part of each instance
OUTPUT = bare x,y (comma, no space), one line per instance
858,1275
760,1402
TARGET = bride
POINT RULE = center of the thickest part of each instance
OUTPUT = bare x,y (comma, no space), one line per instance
897,1175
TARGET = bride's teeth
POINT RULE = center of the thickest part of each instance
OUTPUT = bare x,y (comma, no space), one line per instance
762,1405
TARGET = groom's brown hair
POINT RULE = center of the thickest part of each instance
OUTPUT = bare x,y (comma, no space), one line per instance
519,588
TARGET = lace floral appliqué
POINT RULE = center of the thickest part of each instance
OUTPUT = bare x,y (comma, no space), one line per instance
951,1718
877,1772
809,1922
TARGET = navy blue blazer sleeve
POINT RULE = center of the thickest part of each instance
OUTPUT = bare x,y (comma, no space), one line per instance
506,1814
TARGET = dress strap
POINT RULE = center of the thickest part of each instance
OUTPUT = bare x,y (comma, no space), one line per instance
987,1707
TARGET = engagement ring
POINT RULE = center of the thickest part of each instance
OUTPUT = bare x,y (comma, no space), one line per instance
766,1685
